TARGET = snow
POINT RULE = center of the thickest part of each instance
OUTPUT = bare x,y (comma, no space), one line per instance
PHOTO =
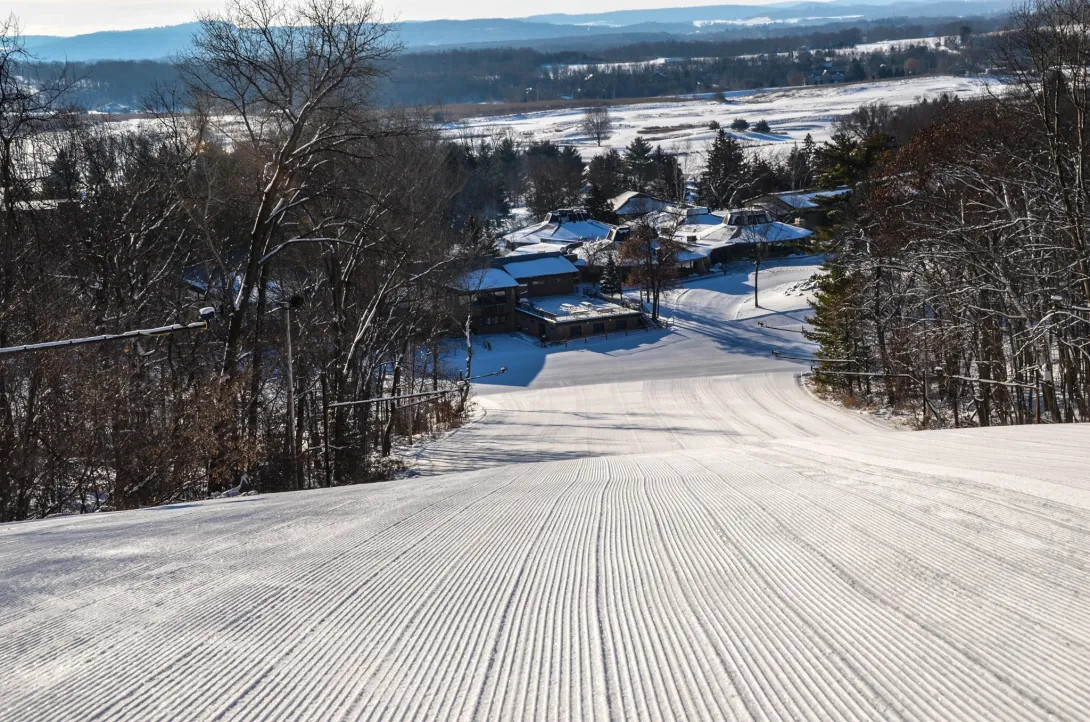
683,126
559,233
659,526
554,266
487,279
571,306
884,46
808,200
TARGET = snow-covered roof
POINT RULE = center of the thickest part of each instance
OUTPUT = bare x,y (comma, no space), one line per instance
552,266
535,248
557,229
725,235
573,308
486,279
688,221
635,202
806,200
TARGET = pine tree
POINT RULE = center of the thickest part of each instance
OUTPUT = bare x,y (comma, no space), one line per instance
599,207
611,278
607,171
639,165
669,182
724,174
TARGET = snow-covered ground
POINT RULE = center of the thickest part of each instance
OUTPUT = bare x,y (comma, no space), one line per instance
683,126
663,526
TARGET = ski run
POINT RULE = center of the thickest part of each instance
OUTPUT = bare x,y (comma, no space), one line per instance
661,526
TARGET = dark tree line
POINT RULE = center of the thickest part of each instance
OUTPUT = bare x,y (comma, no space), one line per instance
959,279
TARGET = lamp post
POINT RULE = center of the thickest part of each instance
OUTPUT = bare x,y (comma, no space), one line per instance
293,457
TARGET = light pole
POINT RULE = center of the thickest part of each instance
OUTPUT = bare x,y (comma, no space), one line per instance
206,314
293,457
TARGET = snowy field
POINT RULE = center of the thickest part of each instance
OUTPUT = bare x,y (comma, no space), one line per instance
660,526
683,126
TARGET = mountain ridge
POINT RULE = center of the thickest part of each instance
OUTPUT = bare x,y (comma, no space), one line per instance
168,41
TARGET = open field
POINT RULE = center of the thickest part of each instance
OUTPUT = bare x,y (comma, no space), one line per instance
791,113
660,526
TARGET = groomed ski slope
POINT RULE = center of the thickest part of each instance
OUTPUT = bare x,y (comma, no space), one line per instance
821,567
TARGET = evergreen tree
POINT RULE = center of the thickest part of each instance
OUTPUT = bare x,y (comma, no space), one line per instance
639,165
669,181
611,277
607,172
855,71
599,207
725,173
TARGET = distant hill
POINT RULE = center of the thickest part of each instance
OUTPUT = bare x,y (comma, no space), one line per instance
146,44
789,12
165,42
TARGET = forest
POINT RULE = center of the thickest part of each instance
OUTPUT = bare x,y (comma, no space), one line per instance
958,279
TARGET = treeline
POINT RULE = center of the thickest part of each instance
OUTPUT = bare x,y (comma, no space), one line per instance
324,231
504,74
959,276
514,75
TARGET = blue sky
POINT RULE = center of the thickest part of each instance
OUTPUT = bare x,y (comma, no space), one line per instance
74,17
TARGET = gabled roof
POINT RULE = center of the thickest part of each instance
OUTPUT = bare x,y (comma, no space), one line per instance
485,279
634,202
548,266
726,235
805,200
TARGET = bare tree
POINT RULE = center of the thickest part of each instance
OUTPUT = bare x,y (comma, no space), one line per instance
653,256
293,84
597,122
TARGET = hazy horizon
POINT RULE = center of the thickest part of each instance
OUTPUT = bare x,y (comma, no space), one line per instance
78,17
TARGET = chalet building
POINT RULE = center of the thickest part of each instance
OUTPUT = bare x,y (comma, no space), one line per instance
802,208
492,295
541,274
562,230
633,204
536,294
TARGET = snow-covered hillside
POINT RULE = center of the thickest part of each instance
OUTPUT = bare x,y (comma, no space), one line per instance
683,126
660,526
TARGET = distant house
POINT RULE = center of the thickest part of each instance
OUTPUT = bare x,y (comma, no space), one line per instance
633,204
825,77
738,232
113,109
492,295
563,229
800,207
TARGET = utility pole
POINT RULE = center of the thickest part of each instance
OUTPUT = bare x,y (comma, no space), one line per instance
926,406
292,455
